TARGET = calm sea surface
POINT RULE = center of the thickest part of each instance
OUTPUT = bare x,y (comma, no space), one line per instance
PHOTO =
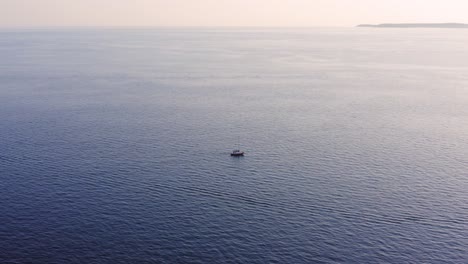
114,146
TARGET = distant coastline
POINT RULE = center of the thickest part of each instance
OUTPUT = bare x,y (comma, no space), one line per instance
417,25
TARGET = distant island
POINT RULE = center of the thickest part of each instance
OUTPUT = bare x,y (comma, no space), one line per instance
418,25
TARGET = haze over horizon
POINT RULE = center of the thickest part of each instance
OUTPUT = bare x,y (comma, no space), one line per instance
228,13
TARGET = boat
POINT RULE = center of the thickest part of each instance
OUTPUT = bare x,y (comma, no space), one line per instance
237,153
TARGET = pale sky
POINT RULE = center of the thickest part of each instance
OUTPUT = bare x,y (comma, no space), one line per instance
283,13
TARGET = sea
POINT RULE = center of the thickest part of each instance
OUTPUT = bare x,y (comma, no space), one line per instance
115,145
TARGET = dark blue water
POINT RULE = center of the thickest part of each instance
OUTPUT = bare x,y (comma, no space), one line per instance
115,146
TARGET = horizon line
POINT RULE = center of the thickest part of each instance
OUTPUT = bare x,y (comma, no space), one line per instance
206,27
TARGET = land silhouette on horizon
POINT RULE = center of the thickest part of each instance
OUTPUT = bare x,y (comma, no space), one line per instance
416,25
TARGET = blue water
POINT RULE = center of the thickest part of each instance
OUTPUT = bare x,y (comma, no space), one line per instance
115,146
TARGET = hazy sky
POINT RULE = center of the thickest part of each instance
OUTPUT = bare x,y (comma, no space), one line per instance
38,13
